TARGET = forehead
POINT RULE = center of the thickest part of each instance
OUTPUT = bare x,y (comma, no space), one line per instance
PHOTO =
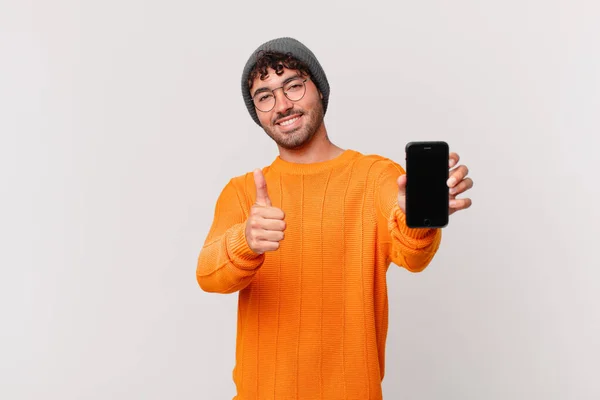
272,80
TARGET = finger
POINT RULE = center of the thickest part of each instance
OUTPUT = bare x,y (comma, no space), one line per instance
266,245
462,186
269,236
460,204
262,196
457,175
453,159
271,213
402,184
272,224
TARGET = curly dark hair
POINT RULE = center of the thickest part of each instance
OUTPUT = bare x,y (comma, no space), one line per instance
277,61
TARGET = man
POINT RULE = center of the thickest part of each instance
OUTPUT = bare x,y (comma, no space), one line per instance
306,243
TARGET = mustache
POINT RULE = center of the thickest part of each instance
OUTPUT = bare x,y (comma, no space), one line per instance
287,114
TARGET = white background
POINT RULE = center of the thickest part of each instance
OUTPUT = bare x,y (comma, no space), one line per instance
121,121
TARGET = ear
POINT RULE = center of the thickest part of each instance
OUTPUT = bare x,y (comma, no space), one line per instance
321,95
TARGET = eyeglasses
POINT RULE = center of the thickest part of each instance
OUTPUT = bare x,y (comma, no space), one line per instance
264,100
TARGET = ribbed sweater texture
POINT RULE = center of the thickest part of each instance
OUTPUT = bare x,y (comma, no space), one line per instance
313,315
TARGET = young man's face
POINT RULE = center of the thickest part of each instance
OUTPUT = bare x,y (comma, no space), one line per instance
291,124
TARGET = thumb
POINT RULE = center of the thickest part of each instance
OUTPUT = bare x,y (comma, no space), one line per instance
262,196
402,185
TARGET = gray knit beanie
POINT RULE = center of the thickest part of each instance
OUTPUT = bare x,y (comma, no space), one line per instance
297,50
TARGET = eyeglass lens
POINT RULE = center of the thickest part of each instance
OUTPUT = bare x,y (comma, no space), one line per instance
293,90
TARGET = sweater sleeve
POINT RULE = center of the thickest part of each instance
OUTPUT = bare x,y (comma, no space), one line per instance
226,263
411,248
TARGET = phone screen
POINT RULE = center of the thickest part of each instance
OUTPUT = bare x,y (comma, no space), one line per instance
426,184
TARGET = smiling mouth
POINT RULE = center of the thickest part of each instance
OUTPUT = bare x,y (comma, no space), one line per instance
290,121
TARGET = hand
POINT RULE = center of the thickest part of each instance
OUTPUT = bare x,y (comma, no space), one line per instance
265,225
457,182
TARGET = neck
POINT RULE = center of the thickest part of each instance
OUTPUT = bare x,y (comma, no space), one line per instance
318,149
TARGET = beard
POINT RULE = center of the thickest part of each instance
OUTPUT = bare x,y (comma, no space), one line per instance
299,137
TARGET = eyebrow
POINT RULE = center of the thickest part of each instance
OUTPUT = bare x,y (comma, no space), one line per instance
266,89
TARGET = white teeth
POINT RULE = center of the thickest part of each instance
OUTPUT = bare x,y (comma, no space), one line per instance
289,121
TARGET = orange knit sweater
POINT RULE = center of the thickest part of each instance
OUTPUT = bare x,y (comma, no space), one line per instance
313,315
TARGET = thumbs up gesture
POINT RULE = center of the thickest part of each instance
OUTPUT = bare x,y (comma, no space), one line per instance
265,225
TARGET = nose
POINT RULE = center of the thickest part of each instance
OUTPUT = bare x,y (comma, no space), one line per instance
282,103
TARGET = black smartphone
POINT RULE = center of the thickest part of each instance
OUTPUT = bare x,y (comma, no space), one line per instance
426,184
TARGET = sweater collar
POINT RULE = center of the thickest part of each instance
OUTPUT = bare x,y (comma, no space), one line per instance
287,167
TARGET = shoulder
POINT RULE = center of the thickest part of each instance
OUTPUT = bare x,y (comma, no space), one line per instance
379,165
238,184
245,180
244,187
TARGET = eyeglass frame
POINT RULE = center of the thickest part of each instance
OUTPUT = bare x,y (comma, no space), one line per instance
284,93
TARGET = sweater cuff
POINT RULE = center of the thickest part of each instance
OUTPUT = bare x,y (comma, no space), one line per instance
415,238
240,253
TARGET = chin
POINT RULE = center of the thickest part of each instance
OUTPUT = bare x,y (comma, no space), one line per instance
297,137
294,143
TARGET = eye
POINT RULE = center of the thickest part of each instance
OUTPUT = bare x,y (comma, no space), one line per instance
265,97
294,86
